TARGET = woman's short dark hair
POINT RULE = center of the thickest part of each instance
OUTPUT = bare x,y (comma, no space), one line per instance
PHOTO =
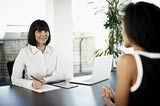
142,25
39,25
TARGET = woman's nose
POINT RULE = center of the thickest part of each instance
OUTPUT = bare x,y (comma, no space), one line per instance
43,33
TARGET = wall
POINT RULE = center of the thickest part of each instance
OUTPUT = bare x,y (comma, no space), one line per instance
9,50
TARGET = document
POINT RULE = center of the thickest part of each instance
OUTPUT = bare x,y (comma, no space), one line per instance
44,88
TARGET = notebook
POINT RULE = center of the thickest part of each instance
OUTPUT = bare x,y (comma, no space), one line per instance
101,71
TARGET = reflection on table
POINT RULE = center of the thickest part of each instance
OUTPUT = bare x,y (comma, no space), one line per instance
78,96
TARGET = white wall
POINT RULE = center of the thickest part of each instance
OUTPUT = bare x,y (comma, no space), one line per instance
63,40
19,14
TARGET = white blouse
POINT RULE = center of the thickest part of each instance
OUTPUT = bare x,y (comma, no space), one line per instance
44,65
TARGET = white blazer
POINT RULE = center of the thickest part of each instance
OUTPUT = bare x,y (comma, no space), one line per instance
46,65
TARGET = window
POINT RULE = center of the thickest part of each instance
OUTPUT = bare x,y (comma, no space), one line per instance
17,15
88,33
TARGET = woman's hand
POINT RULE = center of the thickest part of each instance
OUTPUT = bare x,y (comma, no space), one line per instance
37,84
108,96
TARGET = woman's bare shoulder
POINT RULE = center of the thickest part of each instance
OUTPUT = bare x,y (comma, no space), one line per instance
127,59
127,66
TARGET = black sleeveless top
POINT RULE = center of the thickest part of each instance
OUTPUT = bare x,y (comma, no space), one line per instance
146,90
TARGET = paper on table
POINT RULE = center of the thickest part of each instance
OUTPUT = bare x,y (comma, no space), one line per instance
45,88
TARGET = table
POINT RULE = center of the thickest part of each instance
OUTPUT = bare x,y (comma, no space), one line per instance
78,96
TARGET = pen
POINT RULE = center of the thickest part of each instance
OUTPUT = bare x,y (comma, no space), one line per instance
36,79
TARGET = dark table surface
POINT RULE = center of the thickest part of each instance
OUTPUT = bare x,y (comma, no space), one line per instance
79,96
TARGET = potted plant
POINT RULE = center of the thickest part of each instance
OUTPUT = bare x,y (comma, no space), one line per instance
113,25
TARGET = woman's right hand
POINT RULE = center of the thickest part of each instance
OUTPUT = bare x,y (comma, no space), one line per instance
37,84
108,96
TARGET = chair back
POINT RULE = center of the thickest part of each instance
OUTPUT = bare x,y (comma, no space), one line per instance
10,67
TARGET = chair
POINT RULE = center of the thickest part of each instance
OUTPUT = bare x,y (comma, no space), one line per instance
10,67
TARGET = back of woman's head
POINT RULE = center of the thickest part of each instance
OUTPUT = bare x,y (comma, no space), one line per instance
39,25
142,25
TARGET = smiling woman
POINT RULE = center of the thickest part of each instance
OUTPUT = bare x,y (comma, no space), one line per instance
41,37
37,59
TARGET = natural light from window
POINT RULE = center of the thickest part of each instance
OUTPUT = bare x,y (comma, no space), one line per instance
17,15
85,20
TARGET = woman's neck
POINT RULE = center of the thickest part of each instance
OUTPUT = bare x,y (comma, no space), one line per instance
41,47
137,48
